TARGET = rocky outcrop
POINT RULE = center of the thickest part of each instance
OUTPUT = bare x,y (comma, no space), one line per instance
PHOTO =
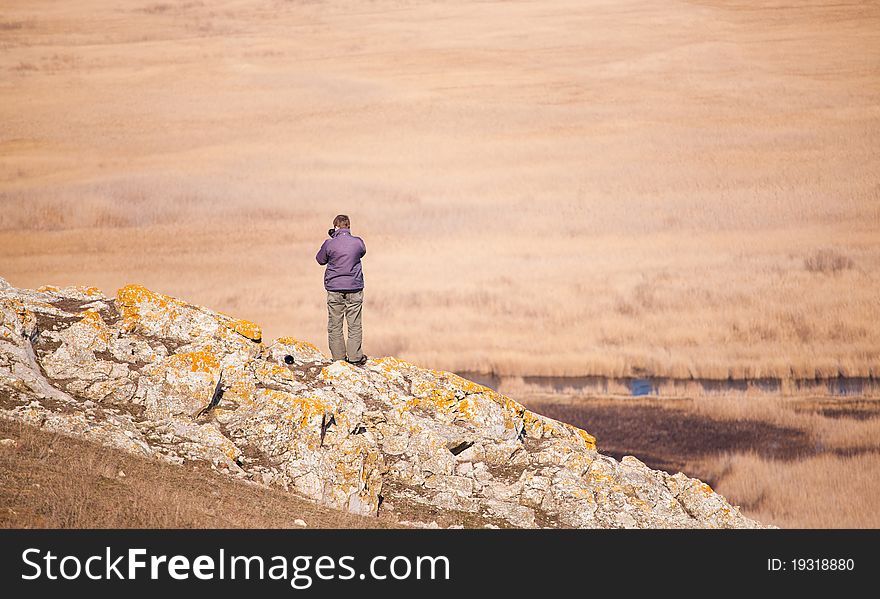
156,376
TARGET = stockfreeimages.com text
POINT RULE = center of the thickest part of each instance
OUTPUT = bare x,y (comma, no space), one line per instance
300,570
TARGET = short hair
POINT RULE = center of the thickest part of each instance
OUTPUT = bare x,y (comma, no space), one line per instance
342,222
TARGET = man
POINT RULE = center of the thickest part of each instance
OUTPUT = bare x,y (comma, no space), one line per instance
344,282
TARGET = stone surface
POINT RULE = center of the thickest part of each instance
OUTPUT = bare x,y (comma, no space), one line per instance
159,377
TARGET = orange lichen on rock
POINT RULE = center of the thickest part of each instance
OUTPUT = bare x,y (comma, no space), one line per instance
589,440
538,426
239,388
268,369
129,299
132,295
463,383
533,423
197,361
467,408
22,310
26,317
47,289
300,346
472,388
389,364
246,329
91,291
433,397
305,408
94,320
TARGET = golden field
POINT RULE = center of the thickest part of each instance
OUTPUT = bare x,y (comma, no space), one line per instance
793,462
547,188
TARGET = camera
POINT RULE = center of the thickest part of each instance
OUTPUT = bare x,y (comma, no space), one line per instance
331,232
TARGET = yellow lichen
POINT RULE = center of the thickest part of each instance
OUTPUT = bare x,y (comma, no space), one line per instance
246,329
268,369
463,383
48,289
132,295
305,408
94,320
129,298
300,346
90,291
602,479
440,391
433,398
197,361
22,310
532,422
467,408
589,440
26,316
389,364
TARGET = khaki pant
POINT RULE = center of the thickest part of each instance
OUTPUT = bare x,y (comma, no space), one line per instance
347,305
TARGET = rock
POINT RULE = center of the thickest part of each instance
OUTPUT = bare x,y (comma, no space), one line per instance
300,522
301,352
180,385
159,377
8,443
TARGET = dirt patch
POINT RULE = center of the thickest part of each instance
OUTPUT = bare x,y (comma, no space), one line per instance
47,322
395,494
43,346
71,306
309,373
170,345
251,454
134,410
110,314
9,401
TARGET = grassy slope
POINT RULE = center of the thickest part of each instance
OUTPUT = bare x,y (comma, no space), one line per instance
52,481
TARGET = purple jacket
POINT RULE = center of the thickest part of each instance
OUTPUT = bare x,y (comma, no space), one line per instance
342,254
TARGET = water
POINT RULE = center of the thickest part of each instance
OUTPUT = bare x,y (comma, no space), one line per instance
640,387
669,387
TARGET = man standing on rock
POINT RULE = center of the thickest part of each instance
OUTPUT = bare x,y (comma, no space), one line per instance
344,282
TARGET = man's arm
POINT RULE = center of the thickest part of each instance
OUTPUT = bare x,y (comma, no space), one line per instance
322,255
363,248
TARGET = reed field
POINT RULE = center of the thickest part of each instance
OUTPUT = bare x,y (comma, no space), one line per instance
545,188
792,462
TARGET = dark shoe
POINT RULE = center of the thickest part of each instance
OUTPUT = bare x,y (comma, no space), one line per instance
360,362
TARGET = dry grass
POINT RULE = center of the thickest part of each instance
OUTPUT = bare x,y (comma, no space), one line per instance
823,491
828,261
51,481
798,463
581,188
